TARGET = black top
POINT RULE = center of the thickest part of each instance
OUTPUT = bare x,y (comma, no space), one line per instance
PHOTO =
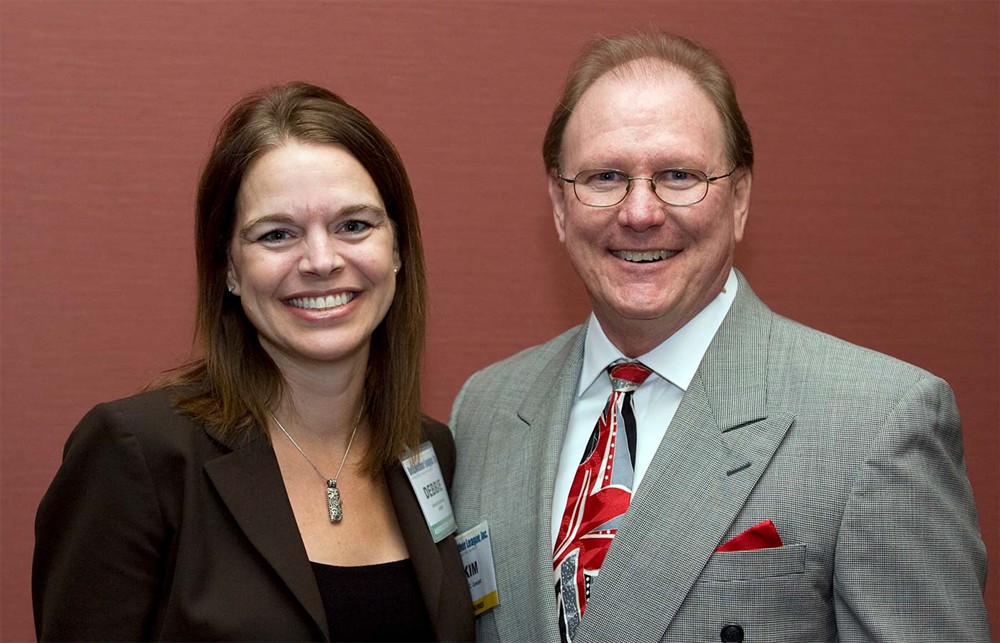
373,602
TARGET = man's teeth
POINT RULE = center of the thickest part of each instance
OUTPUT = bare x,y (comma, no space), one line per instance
649,255
330,301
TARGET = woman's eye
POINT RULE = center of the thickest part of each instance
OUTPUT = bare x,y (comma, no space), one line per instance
355,226
275,236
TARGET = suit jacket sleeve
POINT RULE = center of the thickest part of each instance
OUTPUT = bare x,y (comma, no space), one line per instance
910,562
98,539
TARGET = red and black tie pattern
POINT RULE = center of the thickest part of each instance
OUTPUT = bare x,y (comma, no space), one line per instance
598,498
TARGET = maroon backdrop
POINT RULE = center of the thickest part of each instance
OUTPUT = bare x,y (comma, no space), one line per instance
874,214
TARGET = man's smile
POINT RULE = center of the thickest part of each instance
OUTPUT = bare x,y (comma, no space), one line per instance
644,256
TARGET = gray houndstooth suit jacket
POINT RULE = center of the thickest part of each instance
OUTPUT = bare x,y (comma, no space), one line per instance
855,456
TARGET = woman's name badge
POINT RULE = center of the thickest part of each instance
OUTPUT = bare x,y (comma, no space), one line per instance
424,473
477,558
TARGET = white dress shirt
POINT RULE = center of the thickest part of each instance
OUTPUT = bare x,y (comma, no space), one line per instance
673,363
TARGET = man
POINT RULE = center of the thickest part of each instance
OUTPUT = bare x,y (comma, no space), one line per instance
780,484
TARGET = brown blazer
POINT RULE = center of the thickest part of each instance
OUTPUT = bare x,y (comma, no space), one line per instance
154,529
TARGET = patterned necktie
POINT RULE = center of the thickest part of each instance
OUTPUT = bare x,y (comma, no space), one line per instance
598,498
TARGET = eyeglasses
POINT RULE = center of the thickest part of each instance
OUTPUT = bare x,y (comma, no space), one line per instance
674,186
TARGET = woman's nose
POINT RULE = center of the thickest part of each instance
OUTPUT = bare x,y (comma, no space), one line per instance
321,256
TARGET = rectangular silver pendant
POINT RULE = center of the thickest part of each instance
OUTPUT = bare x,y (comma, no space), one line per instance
333,501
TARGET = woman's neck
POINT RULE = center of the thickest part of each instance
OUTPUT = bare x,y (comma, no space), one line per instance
322,400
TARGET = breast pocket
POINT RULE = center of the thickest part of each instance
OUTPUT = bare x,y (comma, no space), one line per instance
728,566
772,594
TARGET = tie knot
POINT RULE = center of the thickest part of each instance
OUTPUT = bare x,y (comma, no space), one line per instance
628,376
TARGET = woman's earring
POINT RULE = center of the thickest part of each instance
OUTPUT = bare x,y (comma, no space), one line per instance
230,287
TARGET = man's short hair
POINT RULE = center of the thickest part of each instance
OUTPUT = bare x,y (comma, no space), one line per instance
604,55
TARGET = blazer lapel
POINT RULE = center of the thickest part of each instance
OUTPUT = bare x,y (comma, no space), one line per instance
249,481
423,551
524,459
717,446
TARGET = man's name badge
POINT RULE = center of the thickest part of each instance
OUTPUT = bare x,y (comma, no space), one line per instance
424,473
477,558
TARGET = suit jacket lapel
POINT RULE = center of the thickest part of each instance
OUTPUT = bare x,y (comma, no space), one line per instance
249,481
423,551
525,458
717,446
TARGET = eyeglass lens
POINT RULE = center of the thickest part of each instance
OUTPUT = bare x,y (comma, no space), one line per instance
603,188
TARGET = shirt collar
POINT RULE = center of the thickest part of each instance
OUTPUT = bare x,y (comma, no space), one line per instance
676,359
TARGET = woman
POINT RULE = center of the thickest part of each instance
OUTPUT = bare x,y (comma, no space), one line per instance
257,493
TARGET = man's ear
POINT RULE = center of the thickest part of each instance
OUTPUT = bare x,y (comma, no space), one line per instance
741,203
557,194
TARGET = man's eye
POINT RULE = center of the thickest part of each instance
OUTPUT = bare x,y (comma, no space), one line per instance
677,179
604,178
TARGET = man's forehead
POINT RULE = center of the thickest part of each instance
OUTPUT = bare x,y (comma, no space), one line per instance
638,76
645,108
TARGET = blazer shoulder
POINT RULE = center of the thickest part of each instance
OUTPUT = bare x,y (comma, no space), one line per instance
805,359
807,354
150,423
139,414
158,402
509,382
842,354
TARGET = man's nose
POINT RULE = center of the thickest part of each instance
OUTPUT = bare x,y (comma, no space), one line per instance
641,209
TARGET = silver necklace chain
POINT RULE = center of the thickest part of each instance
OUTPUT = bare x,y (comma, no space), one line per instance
334,505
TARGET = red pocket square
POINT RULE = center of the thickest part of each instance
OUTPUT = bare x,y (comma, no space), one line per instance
760,536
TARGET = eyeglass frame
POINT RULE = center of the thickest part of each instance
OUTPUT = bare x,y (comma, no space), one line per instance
707,180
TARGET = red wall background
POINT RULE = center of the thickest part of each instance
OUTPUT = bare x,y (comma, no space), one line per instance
874,213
